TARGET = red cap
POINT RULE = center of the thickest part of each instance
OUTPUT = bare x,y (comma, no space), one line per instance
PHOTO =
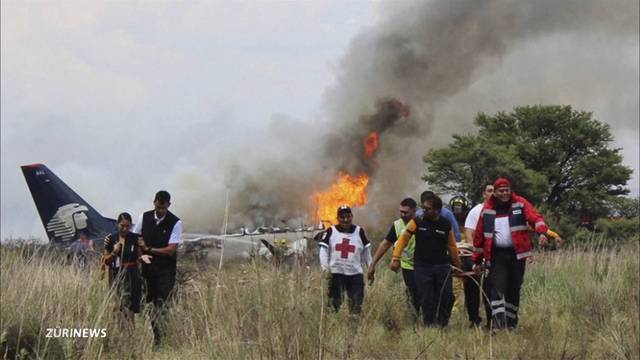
501,182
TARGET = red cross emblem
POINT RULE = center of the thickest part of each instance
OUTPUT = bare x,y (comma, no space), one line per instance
345,248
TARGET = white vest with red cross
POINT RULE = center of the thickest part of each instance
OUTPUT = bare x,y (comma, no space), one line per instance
345,252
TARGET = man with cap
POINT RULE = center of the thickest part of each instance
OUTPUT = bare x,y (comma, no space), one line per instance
502,240
343,247
161,233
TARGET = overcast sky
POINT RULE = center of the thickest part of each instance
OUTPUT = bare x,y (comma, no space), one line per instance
95,89
121,99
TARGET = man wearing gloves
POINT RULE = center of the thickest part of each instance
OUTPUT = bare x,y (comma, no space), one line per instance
343,247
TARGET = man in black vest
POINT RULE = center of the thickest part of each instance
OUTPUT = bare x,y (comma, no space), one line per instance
161,234
435,252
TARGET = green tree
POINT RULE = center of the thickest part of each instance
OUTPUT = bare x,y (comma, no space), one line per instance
552,154
626,207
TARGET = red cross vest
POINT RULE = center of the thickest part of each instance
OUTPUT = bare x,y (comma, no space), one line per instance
345,251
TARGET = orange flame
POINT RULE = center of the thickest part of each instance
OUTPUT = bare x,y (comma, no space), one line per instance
350,190
371,144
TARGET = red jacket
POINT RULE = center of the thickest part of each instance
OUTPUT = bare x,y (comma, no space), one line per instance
520,213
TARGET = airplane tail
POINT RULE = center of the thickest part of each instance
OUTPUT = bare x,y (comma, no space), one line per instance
64,213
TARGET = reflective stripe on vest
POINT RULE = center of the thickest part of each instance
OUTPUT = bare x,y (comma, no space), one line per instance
406,260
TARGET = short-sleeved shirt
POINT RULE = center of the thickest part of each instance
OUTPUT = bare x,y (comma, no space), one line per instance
473,216
176,232
391,235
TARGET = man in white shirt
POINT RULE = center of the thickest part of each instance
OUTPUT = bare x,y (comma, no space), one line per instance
161,233
472,290
343,247
474,214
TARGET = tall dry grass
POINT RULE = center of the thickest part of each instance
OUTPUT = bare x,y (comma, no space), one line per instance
576,304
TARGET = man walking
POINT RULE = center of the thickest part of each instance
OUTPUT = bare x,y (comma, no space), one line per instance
343,247
435,251
502,239
161,234
444,212
472,290
407,213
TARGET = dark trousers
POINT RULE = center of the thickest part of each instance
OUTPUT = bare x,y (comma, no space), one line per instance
159,289
435,289
472,294
506,276
129,288
409,277
353,285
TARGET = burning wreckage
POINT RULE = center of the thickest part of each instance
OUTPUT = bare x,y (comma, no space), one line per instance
349,187
281,245
65,214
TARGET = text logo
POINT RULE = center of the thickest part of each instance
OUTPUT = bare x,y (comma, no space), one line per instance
58,332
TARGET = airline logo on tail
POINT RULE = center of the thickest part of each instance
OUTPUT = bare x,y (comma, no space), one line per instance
68,220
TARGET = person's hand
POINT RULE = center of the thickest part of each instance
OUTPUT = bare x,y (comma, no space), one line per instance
530,260
543,241
107,259
395,265
477,268
326,274
559,242
146,259
455,270
143,246
117,247
371,275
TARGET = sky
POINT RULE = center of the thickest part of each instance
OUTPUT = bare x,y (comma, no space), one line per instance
96,90
121,99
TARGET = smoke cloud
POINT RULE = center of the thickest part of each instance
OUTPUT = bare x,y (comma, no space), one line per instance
416,76
425,54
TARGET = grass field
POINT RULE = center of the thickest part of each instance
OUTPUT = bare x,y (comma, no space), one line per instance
576,304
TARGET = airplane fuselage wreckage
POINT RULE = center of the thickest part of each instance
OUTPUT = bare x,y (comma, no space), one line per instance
65,215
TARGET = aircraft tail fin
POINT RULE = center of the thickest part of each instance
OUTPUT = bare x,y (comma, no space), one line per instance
63,212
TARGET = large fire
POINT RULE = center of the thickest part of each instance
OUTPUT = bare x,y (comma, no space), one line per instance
371,144
350,190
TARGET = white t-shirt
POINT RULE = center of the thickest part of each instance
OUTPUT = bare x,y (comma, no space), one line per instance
502,236
473,216
502,232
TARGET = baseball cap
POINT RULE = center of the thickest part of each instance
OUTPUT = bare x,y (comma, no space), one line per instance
344,209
